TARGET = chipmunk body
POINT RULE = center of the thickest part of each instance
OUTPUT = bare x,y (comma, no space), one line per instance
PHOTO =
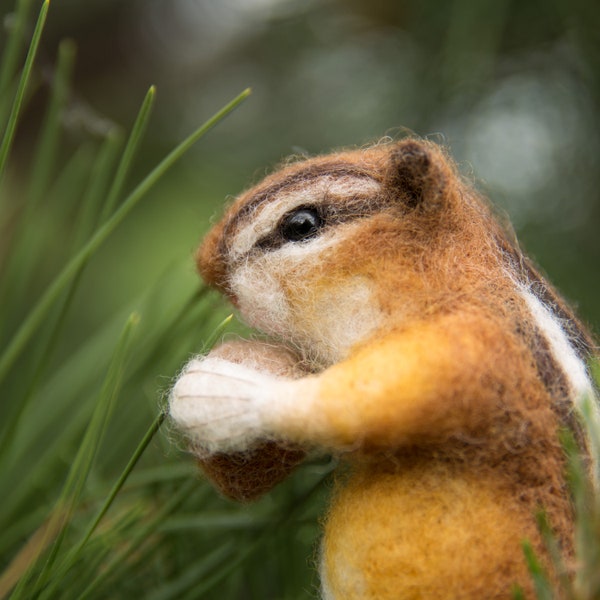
418,344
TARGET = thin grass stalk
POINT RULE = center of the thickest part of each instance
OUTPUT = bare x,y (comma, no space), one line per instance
554,551
46,149
80,467
133,143
19,529
518,593
49,297
20,266
82,464
22,491
42,162
195,571
185,309
75,553
100,173
95,194
119,559
586,585
13,118
230,566
71,183
11,55
19,568
541,582
590,415
147,354
13,422
156,347
214,336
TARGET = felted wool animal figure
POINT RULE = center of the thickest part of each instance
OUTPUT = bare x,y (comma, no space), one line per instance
411,338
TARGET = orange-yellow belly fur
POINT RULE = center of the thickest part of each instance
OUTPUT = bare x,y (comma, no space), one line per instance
429,531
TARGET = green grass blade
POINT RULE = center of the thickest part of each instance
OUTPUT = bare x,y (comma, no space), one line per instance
228,567
216,520
595,368
142,533
518,593
591,421
166,340
68,187
584,483
20,529
81,465
137,133
13,421
180,150
11,54
19,570
554,551
74,555
152,430
197,571
542,585
174,329
20,266
47,300
46,149
210,342
93,199
70,182
99,175
13,118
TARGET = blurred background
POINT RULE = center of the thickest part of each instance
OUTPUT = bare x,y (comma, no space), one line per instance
513,89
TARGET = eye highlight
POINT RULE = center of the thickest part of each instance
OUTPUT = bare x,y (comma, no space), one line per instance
300,224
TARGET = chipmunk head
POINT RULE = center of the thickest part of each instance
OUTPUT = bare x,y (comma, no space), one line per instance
323,252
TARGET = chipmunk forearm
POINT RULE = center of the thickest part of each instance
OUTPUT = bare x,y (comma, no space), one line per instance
400,389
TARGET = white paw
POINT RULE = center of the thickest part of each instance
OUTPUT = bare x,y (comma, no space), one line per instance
223,406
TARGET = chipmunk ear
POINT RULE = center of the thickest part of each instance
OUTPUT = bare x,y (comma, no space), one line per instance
412,175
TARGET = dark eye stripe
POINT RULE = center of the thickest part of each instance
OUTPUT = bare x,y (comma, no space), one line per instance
299,179
331,212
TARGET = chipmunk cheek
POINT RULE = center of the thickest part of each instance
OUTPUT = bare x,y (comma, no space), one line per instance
260,299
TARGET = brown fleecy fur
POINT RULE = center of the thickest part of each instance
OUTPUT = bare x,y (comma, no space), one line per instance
423,348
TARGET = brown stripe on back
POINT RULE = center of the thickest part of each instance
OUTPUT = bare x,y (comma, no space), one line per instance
549,370
555,381
577,334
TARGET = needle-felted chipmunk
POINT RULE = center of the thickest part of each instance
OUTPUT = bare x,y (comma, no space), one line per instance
412,339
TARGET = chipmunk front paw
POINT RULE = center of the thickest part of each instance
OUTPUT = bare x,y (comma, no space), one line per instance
221,405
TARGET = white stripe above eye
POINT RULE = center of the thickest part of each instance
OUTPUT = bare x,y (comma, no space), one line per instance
269,214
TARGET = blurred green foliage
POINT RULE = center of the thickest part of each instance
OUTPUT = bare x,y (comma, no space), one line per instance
512,88
82,391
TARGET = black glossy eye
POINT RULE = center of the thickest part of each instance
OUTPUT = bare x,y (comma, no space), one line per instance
300,224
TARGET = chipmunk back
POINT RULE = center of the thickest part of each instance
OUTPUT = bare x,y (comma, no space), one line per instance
410,337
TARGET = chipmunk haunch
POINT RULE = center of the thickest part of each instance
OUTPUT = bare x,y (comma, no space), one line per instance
410,337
